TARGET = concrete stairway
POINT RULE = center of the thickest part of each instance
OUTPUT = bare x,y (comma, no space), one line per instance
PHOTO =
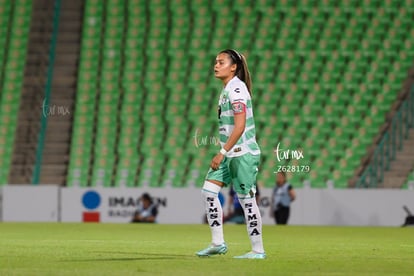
61,105
32,94
401,166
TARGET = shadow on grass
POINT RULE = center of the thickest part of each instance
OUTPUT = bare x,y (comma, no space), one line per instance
140,257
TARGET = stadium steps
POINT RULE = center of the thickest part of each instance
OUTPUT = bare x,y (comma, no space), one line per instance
33,93
402,165
57,139
59,125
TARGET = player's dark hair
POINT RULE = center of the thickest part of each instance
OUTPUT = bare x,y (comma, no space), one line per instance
242,71
283,173
146,196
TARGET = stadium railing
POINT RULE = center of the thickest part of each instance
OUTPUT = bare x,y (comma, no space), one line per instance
44,119
390,143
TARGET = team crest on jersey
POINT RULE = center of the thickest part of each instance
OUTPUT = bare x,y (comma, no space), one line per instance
223,99
238,107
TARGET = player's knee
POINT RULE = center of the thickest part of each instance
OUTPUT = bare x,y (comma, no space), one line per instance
247,201
210,189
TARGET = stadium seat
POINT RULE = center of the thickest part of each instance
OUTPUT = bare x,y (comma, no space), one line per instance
15,18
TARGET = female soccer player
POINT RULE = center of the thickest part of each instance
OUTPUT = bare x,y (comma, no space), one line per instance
238,159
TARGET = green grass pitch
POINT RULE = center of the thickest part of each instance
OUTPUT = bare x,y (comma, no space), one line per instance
127,249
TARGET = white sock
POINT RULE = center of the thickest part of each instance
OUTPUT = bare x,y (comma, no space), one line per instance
253,221
214,212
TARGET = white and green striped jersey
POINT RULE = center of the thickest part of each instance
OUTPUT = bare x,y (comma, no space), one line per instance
235,98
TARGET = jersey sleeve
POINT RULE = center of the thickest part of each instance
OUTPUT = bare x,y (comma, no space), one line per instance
238,98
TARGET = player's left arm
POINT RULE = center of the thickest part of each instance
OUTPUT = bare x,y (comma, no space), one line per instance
238,99
239,125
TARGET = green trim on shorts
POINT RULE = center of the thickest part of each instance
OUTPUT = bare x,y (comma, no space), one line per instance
239,171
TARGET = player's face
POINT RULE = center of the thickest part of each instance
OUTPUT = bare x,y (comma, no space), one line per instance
280,179
224,69
146,203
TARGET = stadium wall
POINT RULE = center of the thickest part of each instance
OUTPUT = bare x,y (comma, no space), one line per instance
353,207
30,203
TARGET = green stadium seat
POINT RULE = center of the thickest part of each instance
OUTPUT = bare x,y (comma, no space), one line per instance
126,171
175,171
15,17
150,171
78,171
102,171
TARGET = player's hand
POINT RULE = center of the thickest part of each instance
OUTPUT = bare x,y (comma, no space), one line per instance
215,163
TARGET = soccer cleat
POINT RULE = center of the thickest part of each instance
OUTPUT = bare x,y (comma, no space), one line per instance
251,255
213,250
